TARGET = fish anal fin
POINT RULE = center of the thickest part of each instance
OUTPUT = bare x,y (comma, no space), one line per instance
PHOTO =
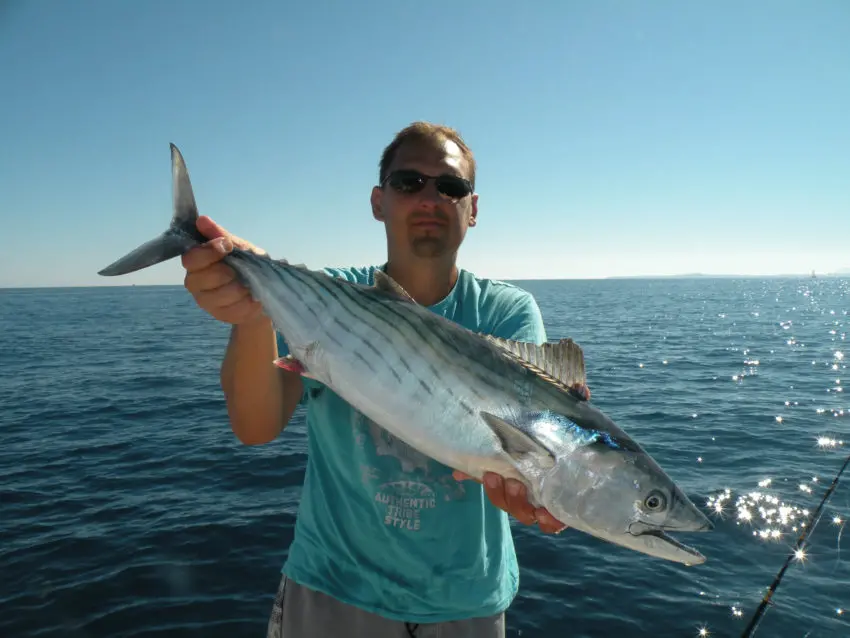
291,364
519,445
561,362
386,283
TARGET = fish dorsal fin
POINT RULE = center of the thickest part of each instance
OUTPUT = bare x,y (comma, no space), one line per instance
386,283
518,444
561,362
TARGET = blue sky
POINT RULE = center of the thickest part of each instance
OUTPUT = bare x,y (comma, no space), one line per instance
613,137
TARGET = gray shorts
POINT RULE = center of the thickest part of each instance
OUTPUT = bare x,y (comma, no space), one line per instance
299,612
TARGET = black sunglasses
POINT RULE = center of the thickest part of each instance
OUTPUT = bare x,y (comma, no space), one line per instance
409,181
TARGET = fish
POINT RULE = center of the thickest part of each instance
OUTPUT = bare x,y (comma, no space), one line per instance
473,402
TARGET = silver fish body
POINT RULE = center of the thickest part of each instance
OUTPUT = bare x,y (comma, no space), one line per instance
471,402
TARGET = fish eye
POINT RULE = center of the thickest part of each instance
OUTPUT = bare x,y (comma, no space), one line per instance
655,501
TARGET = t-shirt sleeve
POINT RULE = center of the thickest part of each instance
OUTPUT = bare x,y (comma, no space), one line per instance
523,321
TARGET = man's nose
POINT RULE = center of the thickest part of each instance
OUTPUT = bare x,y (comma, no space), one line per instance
430,195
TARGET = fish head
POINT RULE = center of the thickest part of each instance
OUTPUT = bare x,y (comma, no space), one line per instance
642,507
605,484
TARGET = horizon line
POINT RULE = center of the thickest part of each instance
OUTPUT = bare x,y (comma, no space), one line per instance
506,279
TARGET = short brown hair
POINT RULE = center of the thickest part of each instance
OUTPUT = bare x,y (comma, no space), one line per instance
419,132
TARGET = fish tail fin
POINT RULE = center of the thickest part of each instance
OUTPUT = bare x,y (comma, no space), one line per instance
180,236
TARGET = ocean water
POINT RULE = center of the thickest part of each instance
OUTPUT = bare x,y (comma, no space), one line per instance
129,508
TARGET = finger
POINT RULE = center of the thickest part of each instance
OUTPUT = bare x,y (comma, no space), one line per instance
548,523
246,245
582,390
209,278
209,229
222,297
517,502
242,311
207,254
494,487
212,230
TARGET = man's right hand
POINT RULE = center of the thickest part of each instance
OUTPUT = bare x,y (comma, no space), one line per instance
212,283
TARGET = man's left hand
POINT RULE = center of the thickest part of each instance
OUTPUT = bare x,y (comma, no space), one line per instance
510,495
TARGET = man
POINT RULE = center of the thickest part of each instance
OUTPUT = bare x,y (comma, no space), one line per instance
387,542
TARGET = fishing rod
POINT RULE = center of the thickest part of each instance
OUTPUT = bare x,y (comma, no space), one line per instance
809,528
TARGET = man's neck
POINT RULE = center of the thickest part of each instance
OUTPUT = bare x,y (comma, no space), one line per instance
428,281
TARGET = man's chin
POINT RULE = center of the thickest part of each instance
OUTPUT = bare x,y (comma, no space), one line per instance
429,247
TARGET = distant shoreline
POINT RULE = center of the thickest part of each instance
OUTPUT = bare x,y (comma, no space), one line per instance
700,276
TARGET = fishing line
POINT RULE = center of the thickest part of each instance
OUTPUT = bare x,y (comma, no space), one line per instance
813,521
838,545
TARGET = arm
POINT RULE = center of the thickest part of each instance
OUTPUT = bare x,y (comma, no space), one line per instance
261,397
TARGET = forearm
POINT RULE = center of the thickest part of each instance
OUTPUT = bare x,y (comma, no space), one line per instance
260,396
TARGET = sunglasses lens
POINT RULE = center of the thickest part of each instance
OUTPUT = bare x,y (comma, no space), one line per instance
410,181
407,181
453,187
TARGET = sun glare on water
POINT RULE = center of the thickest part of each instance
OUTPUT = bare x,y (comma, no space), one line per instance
782,509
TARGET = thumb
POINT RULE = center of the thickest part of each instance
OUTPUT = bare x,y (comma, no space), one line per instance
209,229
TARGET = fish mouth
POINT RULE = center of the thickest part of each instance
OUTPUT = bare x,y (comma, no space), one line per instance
656,541
652,537
666,540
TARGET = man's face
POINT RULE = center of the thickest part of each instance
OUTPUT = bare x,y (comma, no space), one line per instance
425,222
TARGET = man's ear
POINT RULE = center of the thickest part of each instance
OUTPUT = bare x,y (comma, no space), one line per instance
377,201
473,216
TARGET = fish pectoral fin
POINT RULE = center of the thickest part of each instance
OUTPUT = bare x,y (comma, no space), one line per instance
389,285
561,362
519,445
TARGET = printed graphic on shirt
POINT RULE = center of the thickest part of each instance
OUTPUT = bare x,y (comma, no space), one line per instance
405,483
405,502
388,445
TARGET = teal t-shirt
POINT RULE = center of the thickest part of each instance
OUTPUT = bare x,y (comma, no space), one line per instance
386,529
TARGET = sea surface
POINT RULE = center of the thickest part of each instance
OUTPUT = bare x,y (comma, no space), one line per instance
128,508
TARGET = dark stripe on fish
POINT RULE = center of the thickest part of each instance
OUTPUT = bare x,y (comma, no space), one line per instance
351,293
424,340
326,286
